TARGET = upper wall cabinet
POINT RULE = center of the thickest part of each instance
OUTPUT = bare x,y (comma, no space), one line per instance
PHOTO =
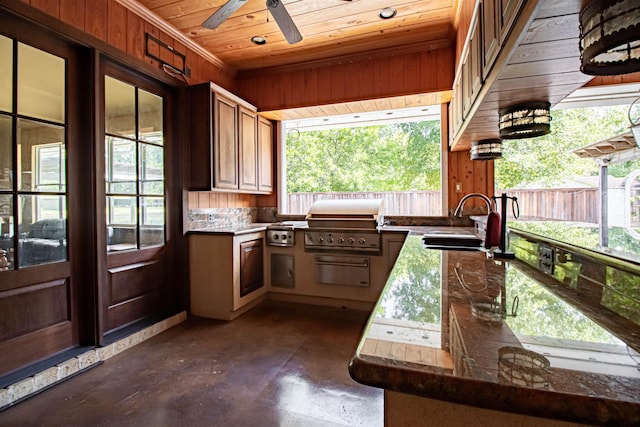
265,155
506,15
489,28
226,150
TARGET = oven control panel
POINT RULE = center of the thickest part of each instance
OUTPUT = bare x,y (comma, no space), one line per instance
349,240
280,237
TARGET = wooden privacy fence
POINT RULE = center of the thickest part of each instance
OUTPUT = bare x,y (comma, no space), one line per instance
399,203
570,204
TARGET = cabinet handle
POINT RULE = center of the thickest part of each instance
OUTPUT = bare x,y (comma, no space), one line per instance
363,264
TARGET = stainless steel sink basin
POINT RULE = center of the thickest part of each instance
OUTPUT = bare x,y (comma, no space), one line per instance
452,241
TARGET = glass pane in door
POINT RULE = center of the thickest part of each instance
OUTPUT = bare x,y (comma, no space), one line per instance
43,229
151,169
151,221
149,117
41,84
6,154
41,162
121,223
120,108
6,74
120,161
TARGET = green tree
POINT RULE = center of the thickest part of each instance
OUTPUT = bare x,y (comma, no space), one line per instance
374,158
549,159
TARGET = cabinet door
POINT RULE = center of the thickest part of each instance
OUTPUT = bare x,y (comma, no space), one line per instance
248,144
225,143
490,36
251,266
509,10
265,155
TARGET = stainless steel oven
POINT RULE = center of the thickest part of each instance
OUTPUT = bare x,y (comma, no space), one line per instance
342,270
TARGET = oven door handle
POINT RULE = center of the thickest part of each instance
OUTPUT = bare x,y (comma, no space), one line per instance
363,264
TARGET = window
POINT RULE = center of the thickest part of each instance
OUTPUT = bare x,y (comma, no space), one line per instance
33,158
392,155
134,166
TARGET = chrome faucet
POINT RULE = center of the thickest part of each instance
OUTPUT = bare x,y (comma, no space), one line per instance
458,211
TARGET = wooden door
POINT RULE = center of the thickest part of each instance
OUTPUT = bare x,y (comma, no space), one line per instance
140,229
225,143
251,266
248,144
45,240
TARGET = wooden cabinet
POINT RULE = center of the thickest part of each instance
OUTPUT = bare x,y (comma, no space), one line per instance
490,35
251,266
490,25
507,14
225,148
265,155
472,63
248,143
225,274
225,143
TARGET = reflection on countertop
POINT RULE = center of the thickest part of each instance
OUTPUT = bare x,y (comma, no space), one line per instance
461,327
622,243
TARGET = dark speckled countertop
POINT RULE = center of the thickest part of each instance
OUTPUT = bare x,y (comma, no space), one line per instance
456,326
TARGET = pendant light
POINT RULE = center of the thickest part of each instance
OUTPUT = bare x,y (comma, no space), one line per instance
526,120
610,37
486,149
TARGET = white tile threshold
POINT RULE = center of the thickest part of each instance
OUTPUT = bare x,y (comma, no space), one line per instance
24,388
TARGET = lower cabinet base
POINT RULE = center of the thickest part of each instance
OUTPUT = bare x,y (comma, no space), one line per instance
407,410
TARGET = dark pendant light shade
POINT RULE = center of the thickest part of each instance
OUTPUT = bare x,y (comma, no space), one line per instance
525,120
610,37
486,149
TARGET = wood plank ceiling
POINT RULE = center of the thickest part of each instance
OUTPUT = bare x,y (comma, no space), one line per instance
330,29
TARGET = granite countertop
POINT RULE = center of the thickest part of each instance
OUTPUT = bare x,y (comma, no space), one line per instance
623,243
235,229
457,326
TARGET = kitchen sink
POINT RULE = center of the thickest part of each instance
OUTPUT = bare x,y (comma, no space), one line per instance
452,241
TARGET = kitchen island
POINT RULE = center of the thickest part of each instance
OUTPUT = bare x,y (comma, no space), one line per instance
457,338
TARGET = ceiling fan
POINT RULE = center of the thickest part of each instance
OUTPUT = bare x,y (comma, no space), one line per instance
277,9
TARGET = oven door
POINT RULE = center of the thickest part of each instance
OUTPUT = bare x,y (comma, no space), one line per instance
342,270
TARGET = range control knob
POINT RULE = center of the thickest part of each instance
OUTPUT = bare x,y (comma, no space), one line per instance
352,240
284,237
341,240
362,241
330,240
275,237
320,239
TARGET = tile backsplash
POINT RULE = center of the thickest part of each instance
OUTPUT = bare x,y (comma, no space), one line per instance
211,218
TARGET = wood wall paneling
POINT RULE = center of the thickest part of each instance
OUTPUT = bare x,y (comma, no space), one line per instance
117,28
135,36
52,7
72,12
96,21
378,78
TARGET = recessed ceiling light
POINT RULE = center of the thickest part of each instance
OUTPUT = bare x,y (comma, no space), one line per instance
387,13
389,113
258,40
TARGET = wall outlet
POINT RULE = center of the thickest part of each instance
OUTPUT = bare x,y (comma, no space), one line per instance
546,258
209,217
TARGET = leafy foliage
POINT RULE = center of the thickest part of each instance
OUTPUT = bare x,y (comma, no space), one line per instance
548,159
396,157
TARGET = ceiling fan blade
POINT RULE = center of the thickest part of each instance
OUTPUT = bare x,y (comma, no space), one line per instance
220,15
284,21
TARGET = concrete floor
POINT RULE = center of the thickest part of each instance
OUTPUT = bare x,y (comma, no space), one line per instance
278,365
